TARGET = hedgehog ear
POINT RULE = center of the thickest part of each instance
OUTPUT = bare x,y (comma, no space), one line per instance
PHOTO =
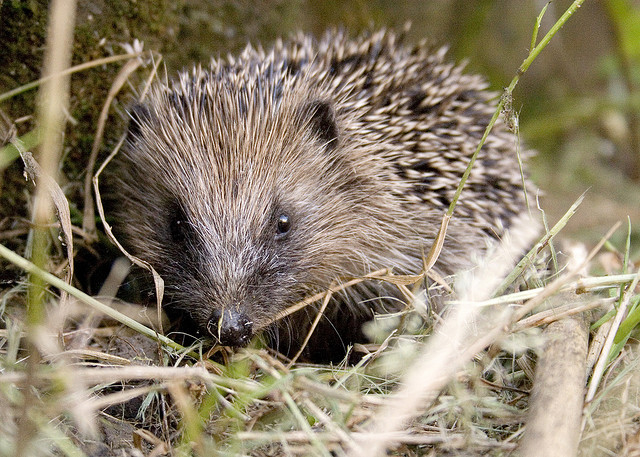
139,114
321,119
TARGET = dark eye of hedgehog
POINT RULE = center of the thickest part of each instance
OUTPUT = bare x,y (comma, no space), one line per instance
177,229
283,226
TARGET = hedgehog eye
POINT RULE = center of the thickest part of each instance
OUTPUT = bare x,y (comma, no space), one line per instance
178,223
177,229
283,226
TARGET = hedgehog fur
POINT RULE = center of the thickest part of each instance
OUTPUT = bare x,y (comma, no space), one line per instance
271,175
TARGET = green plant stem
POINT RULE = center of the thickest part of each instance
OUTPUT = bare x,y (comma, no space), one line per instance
11,152
529,258
509,91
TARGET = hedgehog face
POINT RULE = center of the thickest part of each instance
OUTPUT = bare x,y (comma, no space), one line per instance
239,204
231,277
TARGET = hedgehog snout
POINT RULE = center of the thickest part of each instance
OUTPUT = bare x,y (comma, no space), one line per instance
230,327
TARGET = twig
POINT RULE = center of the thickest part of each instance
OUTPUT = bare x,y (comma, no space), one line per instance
88,219
553,426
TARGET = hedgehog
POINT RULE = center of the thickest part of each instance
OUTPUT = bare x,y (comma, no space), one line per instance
274,174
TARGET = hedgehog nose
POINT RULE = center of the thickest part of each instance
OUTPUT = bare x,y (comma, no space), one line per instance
230,327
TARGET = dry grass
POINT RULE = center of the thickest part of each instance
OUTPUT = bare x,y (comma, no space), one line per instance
80,376
465,390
